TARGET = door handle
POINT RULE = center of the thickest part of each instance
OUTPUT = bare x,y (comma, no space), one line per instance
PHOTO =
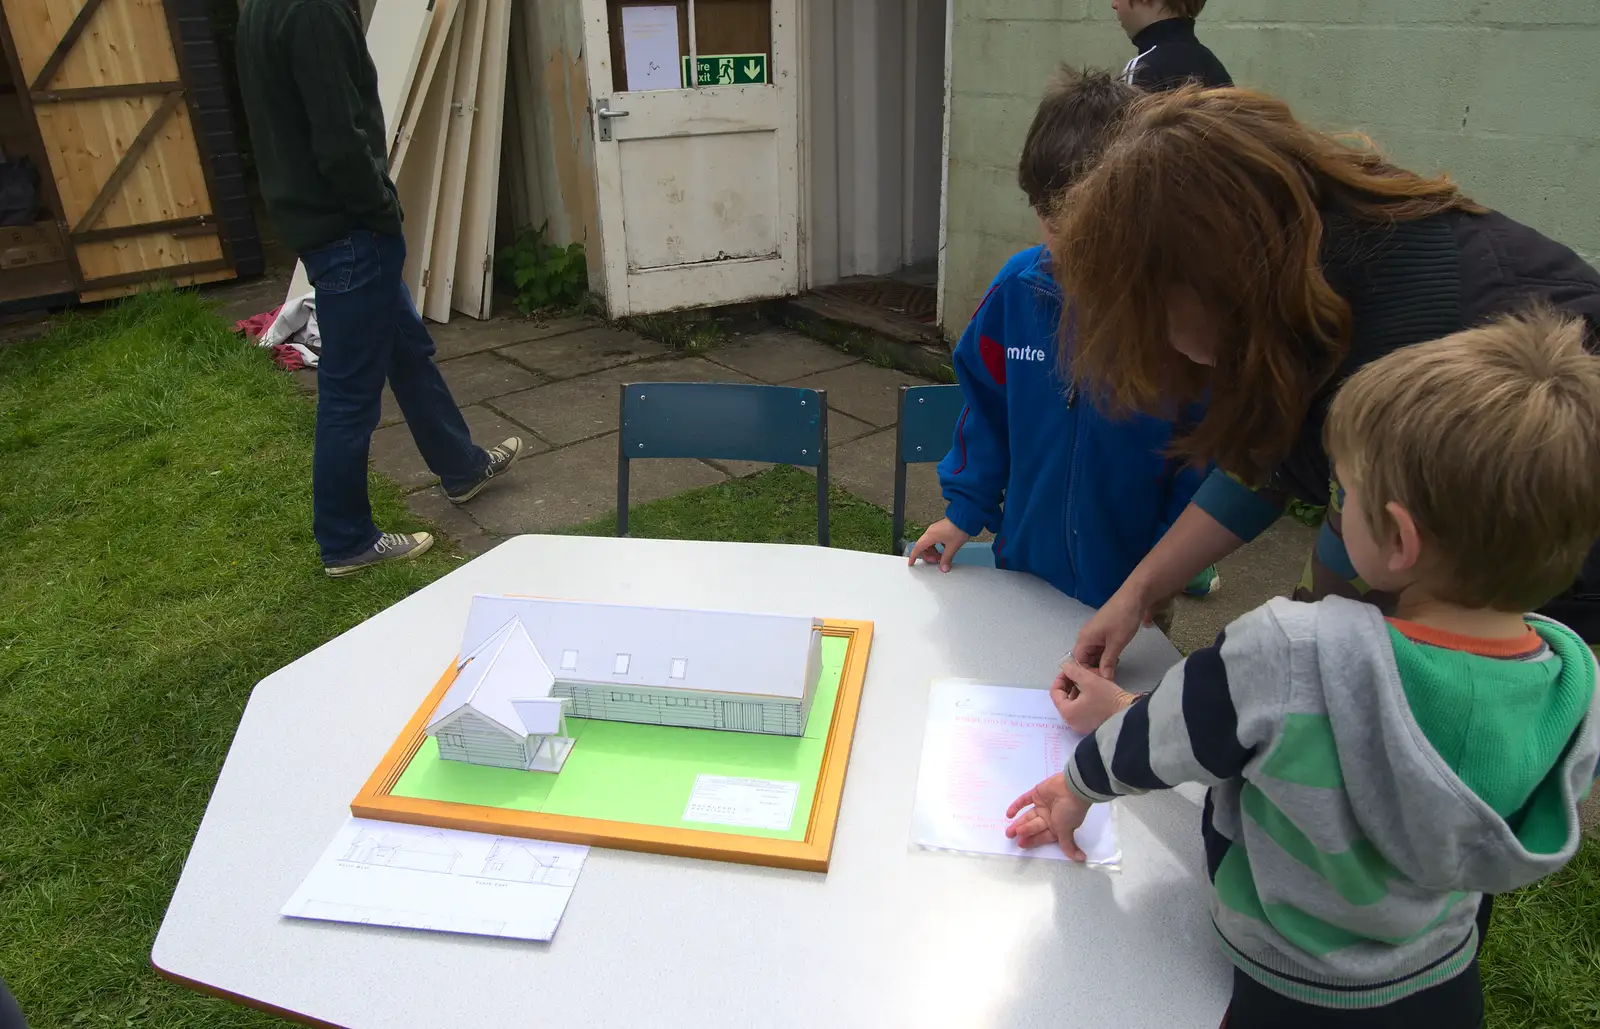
604,113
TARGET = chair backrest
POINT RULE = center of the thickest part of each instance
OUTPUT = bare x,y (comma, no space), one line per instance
724,421
923,431
928,416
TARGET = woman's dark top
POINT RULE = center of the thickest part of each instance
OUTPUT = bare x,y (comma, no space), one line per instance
1408,283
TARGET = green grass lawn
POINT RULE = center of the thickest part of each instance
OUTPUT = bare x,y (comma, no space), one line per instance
156,562
776,506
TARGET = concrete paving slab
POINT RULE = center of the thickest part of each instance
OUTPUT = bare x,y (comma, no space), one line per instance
482,376
844,429
578,483
1269,566
394,452
389,413
471,379
590,349
865,467
578,409
433,507
862,390
236,301
464,336
780,356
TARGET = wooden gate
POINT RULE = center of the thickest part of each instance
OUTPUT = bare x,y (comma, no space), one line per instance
106,88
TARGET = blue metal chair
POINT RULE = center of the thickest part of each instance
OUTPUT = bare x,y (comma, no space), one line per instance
926,423
724,421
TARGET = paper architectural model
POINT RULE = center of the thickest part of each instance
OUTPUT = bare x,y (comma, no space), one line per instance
526,664
499,711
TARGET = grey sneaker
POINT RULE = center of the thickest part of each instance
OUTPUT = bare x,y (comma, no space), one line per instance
391,546
500,458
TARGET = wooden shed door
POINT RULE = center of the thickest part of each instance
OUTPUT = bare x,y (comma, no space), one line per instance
697,172
104,83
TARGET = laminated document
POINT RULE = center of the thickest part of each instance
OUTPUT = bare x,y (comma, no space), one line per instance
984,747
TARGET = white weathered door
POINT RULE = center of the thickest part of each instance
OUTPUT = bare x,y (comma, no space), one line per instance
697,175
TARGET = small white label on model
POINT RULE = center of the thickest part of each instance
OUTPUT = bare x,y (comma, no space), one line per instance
750,803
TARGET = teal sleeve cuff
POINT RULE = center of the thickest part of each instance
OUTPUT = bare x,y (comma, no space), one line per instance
1241,510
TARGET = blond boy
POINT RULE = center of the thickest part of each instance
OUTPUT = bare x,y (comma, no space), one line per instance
1375,781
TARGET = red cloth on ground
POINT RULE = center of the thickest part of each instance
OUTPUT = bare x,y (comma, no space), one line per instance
253,326
287,357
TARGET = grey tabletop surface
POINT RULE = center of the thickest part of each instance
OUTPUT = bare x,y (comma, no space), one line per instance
891,935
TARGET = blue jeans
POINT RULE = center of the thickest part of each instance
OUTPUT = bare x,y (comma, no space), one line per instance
371,332
10,1013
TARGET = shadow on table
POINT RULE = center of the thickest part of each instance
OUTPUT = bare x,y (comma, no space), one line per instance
1139,947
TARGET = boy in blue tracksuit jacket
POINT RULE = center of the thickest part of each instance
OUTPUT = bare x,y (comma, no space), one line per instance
1073,496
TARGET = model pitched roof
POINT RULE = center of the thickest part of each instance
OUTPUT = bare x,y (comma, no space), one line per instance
614,644
501,671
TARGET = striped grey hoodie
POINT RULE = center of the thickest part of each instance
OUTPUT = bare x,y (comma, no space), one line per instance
1347,858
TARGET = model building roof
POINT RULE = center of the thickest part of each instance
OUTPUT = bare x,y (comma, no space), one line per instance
495,678
615,644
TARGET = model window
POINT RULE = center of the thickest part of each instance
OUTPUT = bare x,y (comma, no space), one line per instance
569,660
680,668
621,667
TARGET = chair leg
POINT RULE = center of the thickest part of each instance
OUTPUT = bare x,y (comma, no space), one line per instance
822,501
822,470
622,487
897,517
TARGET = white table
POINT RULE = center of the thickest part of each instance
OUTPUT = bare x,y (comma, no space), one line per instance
892,935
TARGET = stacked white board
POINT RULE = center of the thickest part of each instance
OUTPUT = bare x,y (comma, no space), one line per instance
442,71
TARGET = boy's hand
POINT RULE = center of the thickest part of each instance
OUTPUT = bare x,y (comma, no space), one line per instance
1053,814
1085,698
942,532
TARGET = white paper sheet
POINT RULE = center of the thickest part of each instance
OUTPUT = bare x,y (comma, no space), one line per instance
984,747
754,803
414,877
650,47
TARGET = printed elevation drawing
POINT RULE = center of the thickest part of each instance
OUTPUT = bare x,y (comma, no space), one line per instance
529,663
364,915
426,853
515,861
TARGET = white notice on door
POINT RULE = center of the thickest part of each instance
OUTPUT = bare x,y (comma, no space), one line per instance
650,47
752,803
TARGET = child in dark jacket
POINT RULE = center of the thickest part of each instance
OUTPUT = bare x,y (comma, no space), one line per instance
1169,54
1073,496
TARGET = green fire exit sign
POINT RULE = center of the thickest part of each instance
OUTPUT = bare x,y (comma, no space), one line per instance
727,70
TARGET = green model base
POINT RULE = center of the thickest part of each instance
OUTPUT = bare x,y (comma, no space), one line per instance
643,774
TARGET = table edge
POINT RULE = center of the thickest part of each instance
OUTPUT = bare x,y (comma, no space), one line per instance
241,999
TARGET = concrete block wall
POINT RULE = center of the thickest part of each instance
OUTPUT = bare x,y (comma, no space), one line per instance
1503,94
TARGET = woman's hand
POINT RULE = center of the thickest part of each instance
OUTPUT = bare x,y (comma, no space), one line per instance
1195,540
1101,642
1085,699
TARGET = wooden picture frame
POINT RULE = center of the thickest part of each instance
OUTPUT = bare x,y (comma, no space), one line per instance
810,853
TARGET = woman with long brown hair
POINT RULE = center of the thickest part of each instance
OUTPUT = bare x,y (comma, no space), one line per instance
1277,260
